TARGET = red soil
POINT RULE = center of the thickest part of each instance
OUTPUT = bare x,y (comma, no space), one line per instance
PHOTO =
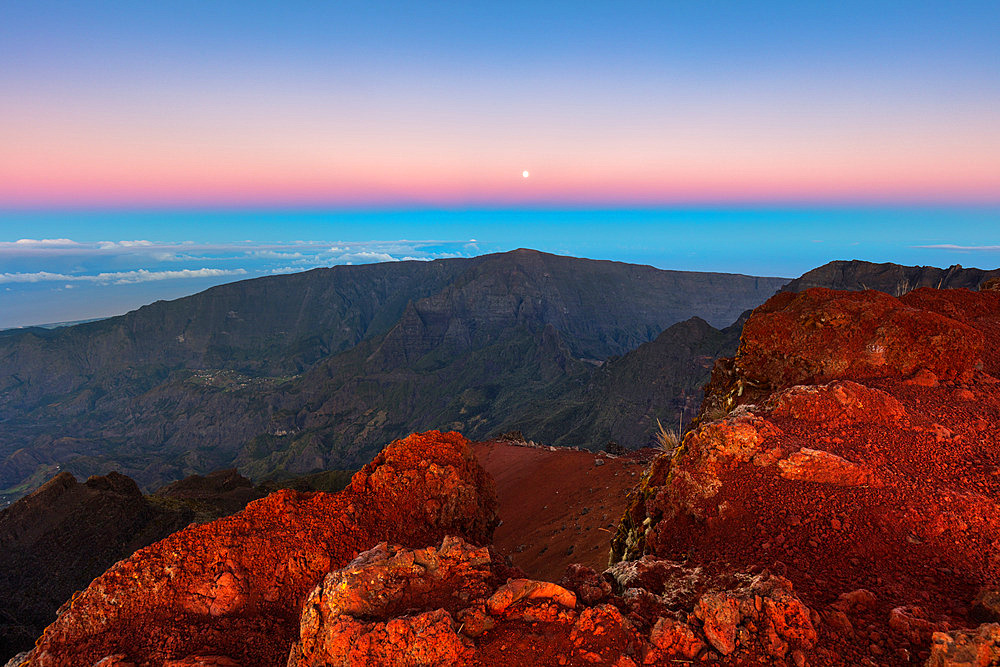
901,499
557,507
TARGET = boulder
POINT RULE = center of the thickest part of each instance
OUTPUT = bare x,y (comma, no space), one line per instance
966,648
234,588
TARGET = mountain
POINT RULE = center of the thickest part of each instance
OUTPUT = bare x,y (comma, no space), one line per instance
889,278
56,540
663,379
291,374
627,399
834,504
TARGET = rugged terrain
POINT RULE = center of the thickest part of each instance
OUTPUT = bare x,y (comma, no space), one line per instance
288,375
833,504
852,447
235,587
291,375
54,541
891,278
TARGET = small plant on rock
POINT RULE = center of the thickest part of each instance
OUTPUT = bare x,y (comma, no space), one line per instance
667,440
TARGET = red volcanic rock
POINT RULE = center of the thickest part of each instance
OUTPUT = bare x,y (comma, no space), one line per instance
336,626
675,638
966,648
589,586
843,468
233,589
446,606
527,589
765,603
813,465
821,335
912,623
838,404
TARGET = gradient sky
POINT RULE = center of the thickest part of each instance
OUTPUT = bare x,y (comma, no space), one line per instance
152,149
445,103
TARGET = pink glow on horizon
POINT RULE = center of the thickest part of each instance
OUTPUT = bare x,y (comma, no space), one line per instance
246,184
62,160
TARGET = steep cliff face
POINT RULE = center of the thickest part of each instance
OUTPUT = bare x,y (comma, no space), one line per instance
317,370
850,446
628,397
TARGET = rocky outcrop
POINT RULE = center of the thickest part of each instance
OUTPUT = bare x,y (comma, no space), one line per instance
822,335
849,448
234,588
449,605
56,540
964,648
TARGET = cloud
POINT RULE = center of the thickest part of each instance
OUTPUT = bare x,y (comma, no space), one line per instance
967,248
272,254
109,245
365,257
118,277
29,244
123,262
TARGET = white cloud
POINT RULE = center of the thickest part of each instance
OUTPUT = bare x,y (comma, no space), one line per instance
111,245
272,254
949,246
45,242
119,277
365,257
295,269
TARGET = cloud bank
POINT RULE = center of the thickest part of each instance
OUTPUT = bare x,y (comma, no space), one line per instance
118,278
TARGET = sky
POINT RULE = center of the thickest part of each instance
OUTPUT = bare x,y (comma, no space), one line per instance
150,150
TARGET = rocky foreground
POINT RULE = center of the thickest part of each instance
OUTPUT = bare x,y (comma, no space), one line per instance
835,504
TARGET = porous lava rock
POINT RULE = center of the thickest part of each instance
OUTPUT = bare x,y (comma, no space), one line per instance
850,447
450,605
233,589
821,335
976,648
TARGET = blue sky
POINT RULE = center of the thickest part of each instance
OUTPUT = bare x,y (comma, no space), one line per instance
338,105
151,149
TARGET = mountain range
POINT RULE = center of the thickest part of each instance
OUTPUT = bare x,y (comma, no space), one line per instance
292,374
835,503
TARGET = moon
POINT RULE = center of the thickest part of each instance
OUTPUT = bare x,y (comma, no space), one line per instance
525,174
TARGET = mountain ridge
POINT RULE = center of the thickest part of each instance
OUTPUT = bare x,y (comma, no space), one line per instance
147,392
